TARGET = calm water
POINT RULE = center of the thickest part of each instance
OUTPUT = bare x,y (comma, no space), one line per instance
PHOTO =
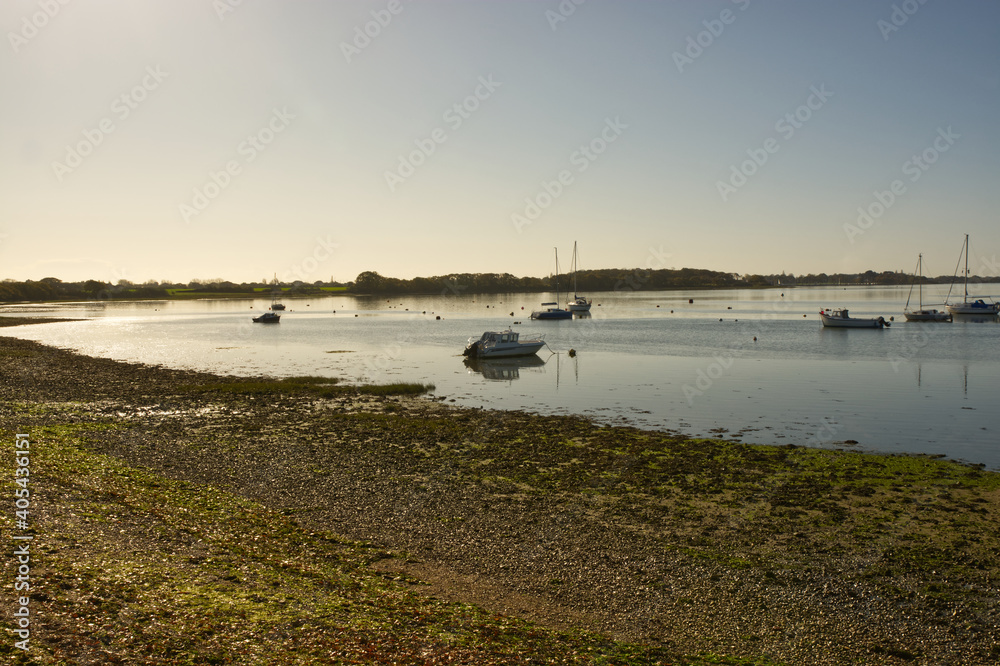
650,359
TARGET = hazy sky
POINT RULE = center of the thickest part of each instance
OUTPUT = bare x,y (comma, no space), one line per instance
243,138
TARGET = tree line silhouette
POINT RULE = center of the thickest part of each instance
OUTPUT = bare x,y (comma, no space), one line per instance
371,282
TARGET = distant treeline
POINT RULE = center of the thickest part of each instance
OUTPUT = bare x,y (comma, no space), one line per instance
54,289
370,282
618,279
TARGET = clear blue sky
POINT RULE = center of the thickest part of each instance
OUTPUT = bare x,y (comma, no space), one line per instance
200,139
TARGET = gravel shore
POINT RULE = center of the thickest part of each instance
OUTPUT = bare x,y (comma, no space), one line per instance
807,557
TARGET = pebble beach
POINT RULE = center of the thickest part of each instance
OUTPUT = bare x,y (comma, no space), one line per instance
775,554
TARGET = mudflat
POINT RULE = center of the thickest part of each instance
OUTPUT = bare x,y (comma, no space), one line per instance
660,548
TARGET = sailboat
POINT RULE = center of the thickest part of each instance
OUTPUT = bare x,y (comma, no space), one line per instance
921,314
979,306
275,289
552,310
579,303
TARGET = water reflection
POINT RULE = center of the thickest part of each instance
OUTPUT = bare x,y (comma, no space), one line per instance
503,369
977,318
915,388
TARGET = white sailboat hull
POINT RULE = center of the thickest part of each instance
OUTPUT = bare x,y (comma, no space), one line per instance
974,308
927,315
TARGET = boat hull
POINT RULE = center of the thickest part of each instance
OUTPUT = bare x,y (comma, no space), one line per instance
525,349
848,322
552,314
927,315
974,308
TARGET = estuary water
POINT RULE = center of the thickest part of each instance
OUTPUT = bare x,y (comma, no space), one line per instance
750,364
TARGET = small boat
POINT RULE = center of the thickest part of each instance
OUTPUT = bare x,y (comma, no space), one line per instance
979,306
839,318
499,344
267,318
275,305
579,303
922,313
552,310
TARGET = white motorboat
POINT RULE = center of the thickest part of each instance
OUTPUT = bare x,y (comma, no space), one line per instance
970,305
579,303
840,318
922,313
499,344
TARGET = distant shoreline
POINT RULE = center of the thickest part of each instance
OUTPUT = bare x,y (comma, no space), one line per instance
292,294
371,283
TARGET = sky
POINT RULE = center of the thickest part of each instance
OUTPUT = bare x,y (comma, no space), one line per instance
243,139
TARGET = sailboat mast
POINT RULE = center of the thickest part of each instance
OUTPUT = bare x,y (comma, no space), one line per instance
557,275
574,269
966,267
920,271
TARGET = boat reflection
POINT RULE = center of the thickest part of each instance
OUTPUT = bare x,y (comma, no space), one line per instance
988,318
503,369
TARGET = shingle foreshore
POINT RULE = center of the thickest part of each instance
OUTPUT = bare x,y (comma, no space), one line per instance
806,556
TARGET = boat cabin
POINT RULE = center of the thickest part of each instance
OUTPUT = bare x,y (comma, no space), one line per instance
493,338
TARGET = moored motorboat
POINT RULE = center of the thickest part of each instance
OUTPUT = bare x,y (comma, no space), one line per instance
498,344
267,318
840,318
